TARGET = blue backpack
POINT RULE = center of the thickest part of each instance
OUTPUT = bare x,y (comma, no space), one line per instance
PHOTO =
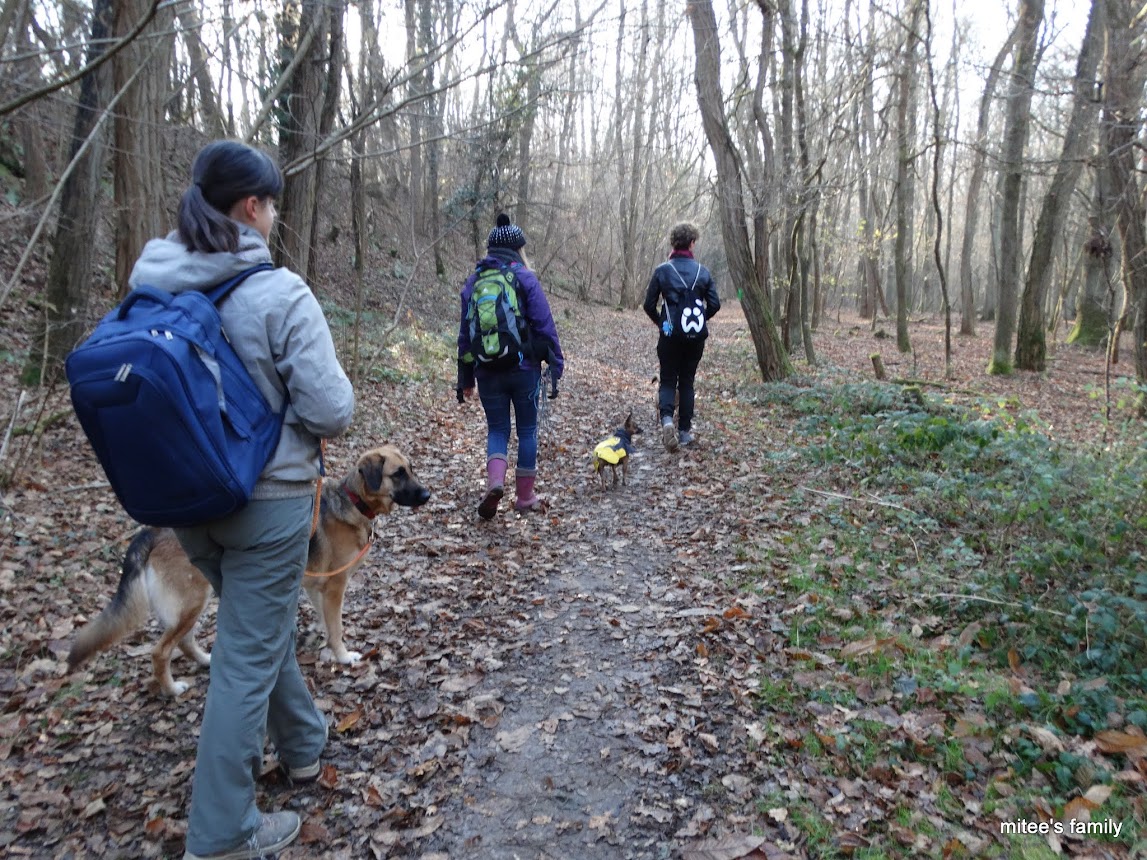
177,423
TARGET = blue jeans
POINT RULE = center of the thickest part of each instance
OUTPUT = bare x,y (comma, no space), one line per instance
498,391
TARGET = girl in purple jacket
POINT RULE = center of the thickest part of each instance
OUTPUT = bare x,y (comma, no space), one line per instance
516,385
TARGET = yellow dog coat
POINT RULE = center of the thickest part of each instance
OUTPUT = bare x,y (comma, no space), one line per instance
610,451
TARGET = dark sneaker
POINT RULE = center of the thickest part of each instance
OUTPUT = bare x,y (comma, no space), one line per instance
669,437
308,772
686,438
276,831
489,504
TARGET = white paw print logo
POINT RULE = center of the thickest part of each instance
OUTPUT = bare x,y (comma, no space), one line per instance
693,319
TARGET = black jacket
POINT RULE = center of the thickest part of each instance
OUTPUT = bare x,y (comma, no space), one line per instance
671,283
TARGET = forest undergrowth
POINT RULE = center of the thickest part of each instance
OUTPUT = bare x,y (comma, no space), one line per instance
857,619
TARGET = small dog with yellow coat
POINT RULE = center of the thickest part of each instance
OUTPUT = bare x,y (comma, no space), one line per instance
615,451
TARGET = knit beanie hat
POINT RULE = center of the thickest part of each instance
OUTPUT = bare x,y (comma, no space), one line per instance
506,234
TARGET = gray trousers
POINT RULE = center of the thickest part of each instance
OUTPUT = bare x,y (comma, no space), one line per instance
255,561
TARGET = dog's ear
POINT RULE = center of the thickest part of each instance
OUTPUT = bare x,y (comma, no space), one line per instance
372,472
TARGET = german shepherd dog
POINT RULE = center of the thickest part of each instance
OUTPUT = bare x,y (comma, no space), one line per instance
158,576
614,451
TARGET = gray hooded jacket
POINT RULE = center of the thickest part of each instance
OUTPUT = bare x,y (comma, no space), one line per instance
279,331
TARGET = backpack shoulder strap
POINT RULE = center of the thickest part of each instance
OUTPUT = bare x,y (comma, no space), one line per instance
219,292
696,276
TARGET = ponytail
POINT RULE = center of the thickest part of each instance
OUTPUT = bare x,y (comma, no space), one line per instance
224,172
204,228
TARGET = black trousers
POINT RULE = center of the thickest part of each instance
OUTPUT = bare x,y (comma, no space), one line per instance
679,359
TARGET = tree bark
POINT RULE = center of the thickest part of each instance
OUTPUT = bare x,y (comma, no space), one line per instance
873,301
138,129
1031,345
905,184
937,156
1015,138
211,118
975,185
300,107
1092,313
417,82
73,250
330,97
29,123
1120,127
772,360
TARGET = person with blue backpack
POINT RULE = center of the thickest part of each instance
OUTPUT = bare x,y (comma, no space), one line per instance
505,332
255,557
688,299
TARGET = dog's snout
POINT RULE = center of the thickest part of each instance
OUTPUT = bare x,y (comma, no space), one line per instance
412,497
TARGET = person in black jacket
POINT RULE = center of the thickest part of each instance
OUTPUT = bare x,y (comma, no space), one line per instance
688,299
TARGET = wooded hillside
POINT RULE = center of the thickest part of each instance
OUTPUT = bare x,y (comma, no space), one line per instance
893,603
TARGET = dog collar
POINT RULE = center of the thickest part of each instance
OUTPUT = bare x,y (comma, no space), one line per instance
363,508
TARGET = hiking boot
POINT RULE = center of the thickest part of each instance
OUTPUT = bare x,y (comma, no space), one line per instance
276,831
669,434
686,438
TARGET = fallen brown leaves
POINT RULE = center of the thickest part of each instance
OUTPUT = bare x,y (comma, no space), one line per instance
584,683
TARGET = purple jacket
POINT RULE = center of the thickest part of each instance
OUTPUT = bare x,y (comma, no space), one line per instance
535,308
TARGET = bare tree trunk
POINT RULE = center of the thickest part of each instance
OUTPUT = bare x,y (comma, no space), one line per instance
28,121
628,146
905,186
762,169
526,143
975,184
417,196
1031,346
139,124
808,187
937,154
302,104
1121,125
874,298
434,107
570,106
1092,313
330,96
1012,154
211,118
790,183
9,15
73,248
774,364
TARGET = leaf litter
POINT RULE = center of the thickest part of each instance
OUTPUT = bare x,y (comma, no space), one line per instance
580,683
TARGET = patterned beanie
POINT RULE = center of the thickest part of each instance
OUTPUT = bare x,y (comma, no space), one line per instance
506,234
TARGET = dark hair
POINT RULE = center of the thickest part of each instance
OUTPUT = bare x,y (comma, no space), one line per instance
223,172
682,236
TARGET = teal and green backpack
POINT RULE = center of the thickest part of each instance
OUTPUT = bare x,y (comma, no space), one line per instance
497,326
